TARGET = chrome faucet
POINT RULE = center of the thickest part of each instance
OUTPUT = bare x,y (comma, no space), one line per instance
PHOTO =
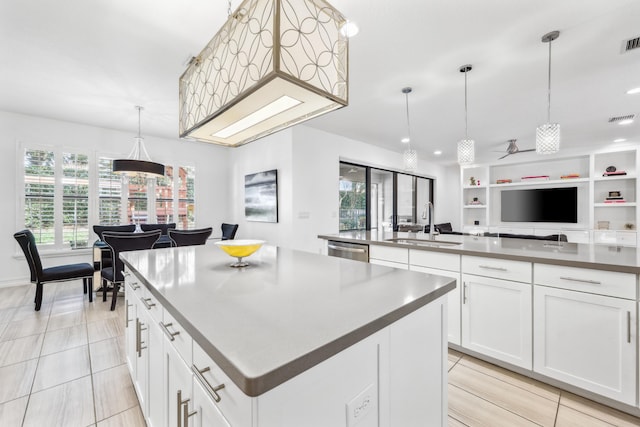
429,206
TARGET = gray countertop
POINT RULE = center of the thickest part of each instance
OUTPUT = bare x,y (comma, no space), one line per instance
601,257
285,313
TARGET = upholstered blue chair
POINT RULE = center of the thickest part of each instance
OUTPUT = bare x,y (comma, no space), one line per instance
121,242
60,273
190,237
164,241
229,231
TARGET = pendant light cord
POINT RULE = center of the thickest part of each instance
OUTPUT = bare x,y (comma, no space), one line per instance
466,133
549,87
408,121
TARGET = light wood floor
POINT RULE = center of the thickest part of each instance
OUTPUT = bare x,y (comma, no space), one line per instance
65,366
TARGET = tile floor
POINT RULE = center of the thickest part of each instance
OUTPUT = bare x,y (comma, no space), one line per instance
65,366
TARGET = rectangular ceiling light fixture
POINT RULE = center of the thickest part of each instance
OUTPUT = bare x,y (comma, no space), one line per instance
273,64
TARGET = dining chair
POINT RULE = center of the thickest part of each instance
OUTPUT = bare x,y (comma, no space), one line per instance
229,231
190,237
60,273
122,242
164,241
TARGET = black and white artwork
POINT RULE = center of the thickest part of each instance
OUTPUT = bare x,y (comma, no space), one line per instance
261,196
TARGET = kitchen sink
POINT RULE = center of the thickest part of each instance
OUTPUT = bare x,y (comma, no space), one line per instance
423,242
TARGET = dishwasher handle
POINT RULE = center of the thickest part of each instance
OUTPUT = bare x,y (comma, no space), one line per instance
346,249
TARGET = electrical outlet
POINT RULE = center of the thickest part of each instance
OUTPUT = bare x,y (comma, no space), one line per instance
362,405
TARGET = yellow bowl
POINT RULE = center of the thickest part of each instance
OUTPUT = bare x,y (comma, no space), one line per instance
240,248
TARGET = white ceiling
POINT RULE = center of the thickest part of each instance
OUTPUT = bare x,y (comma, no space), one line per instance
90,62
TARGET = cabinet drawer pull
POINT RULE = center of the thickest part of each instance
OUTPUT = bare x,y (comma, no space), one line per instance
213,391
147,304
134,286
464,293
170,335
573,279
489,267
628,326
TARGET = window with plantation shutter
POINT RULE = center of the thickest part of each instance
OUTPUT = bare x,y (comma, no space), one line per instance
164,197
109,194
75,200
186,198
39,195
137,202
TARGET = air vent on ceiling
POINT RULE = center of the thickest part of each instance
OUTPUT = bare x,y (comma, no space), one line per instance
631,44
621,118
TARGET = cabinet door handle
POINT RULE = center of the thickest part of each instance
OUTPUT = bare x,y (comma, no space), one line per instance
134,286
573,279
179,408
490,267
464,292
126,324
139,341
170,335
186,414
628,326
213,391
147,304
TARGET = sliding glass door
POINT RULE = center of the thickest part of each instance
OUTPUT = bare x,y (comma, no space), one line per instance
383,200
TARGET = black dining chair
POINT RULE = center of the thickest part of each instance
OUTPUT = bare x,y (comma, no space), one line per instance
164,241
59,273
190,237
229,231
122,242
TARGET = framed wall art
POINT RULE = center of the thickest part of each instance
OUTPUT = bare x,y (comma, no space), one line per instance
261,196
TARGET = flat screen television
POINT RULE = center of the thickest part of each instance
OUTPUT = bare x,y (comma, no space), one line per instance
540,205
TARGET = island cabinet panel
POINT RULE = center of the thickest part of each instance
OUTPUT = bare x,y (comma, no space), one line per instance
155,383
445,265
179,388
453,297
611,283
387,255
207,413
496,318
586,340
130,337
228,399
519,271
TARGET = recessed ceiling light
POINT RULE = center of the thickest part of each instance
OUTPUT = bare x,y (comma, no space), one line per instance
625,122
405,140
437,152
633,91
620,140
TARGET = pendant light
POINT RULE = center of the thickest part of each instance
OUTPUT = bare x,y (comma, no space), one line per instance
410,156
135,164
273,64
548,134
466,146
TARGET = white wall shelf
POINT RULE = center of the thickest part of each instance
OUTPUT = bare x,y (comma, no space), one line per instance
593,189
538,183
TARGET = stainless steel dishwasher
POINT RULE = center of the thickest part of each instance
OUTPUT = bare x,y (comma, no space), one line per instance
355,251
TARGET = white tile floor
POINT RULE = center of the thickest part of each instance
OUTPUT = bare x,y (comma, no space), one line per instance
65,366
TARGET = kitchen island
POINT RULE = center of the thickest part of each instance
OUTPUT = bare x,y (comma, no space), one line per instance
564,313
293,339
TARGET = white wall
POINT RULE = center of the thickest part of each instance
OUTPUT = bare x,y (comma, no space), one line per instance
211,163
316,157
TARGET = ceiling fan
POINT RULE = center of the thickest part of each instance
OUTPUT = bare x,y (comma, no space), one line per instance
512,148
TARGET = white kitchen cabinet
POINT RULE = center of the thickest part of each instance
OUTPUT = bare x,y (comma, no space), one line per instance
453,301
179,392
389,256
586,340
496,318
156,392
131,305
207,414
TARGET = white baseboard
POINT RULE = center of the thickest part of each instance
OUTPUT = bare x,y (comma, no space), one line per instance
16,281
